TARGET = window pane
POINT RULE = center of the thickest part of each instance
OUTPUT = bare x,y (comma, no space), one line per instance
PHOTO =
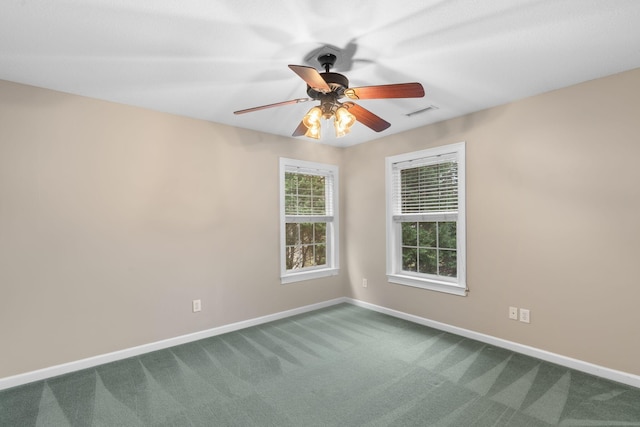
427,261
318,205
430,194
447,235
448,263
291,234
409,259
290,204
318,186
321,255
321,232
306,232
304,205
427,235
290,180
448,176
409,234
304,185
308,255
294,255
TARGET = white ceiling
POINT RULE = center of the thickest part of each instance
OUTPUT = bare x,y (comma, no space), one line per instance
207,58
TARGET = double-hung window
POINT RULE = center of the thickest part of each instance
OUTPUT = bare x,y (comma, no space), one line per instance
308,220
426,219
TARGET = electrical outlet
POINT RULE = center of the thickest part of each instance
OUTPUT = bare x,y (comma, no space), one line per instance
513,313
365,283
196,305
525,315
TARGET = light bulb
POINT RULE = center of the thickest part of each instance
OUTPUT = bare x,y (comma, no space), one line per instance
312,118
313,131
312,121
343,121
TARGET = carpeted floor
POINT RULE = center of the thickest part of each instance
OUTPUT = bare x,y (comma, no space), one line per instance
340,366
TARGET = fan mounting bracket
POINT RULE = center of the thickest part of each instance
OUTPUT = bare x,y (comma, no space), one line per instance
318,57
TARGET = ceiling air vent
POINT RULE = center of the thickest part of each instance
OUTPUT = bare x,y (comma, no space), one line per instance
422,110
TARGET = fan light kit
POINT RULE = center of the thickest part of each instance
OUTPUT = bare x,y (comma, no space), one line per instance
329,88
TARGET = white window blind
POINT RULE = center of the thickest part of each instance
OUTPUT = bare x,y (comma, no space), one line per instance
426,187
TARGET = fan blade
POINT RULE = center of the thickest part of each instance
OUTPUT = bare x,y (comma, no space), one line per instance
401,90
300,130
366,117
312,77
277,104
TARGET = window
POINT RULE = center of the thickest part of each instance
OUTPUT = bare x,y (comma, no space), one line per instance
426,219
308,220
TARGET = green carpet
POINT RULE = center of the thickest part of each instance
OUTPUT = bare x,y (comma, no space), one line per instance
339,366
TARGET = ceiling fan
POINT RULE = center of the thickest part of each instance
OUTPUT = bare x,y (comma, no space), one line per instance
329,88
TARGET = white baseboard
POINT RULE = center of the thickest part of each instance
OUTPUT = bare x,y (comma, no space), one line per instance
90,362
558,359
579,365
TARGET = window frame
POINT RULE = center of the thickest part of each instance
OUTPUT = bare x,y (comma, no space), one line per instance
331,268
395,274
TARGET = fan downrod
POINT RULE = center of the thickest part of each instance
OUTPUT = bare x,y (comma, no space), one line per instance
327,60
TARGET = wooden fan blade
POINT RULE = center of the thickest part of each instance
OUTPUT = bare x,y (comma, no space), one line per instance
366,117
400,90
300,130
312,77
277,104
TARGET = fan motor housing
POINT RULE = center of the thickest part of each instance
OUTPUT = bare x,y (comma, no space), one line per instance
336,81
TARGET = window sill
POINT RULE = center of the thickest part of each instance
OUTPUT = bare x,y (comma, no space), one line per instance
429,284
308,275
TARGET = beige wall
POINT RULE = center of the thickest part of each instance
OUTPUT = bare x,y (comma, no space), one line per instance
113,218
553,221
